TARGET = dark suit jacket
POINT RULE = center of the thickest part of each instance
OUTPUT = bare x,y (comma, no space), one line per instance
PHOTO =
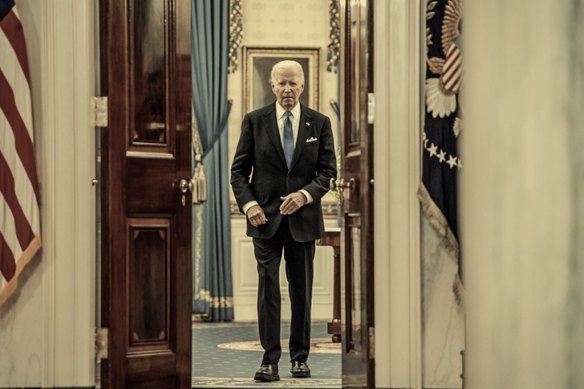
313,165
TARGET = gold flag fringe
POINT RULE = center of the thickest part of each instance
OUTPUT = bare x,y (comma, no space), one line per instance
8,289
439,222
458,290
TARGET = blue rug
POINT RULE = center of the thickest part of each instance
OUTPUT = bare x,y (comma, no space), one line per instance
226,355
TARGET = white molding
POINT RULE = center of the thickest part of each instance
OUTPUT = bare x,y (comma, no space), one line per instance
65,158
47,125
85,234
381,191
397,176
65,201
416,108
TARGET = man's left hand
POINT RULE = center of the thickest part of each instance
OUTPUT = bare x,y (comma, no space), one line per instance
292,203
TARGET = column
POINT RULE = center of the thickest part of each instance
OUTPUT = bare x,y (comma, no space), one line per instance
522,193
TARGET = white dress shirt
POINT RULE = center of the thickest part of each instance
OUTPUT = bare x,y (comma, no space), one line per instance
295,119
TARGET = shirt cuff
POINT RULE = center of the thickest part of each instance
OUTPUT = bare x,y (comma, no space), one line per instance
248,205
308,196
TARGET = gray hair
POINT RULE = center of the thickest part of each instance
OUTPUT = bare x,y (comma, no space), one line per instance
285,64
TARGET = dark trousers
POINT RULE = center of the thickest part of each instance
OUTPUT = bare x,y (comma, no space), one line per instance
299,271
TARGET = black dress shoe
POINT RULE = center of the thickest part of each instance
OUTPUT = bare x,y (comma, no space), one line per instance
267,373
300,369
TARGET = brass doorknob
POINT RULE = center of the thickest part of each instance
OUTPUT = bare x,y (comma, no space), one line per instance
341,184
185,185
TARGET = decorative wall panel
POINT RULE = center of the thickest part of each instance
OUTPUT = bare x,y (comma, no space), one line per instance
245,278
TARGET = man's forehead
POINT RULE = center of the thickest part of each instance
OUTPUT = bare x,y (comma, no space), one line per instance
289,70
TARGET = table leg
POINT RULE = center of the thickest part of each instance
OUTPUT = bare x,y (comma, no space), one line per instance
334,327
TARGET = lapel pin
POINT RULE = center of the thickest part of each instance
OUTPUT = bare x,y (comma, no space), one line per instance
308,124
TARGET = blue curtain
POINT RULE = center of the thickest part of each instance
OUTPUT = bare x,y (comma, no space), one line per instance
212,283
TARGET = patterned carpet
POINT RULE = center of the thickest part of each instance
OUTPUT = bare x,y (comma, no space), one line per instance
226,355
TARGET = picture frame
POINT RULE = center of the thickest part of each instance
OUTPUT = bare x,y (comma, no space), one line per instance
257,68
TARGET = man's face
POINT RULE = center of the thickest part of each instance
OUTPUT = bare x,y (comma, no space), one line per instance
287,85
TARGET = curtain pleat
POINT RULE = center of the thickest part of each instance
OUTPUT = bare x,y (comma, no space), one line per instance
212,280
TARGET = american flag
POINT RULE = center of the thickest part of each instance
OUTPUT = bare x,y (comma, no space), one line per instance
20,236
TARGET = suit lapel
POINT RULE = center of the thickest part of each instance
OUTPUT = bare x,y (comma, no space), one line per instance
303,132
271,126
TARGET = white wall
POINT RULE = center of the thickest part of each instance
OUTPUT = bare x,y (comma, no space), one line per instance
46,328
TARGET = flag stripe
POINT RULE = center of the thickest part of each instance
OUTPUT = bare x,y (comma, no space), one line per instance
12,28
451,75
23,142
20,235
22,185
24,232
19,85
453,55
7,262
448,80
8,228
455,84
452,72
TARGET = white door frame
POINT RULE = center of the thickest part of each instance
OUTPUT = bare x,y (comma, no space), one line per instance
397,82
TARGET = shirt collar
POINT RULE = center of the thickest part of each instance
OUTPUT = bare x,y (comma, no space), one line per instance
280,111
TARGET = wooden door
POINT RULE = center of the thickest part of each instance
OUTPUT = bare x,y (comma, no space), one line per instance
357,194
146,212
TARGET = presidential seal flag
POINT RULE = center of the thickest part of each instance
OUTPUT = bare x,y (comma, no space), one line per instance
442,124
20,236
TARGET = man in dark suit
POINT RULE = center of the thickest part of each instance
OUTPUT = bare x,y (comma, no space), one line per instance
290,149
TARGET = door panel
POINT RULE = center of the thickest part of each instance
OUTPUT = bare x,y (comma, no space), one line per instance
148,273
146,264
148,65
357,195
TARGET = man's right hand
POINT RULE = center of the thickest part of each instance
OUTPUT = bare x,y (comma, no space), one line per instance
256,216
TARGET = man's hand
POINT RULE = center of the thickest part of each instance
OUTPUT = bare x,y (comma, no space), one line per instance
256,215
292,203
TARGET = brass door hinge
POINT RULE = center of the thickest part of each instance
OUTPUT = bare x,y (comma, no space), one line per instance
99,106
101,342
370,108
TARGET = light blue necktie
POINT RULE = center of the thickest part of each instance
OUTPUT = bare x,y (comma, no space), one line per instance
288,139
